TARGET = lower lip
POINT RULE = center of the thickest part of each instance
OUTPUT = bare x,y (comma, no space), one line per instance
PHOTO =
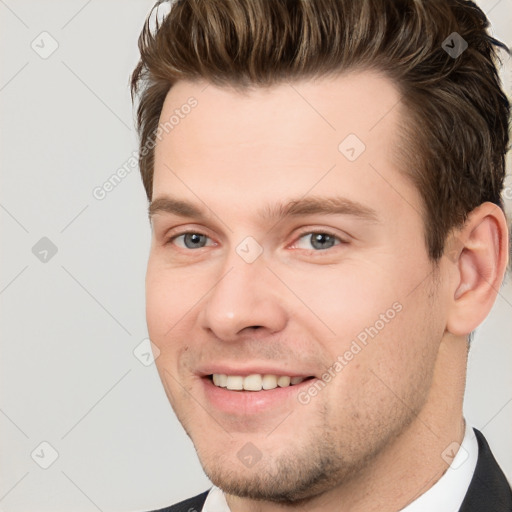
243,403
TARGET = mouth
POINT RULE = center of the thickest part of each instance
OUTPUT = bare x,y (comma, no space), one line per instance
255,382
257,391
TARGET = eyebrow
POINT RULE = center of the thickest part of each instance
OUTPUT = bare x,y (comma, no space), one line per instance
272,212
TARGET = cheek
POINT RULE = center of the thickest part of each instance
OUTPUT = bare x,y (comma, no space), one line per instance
398,362
168,298
378,325
158,304
347,299
169,312
160,317
385,381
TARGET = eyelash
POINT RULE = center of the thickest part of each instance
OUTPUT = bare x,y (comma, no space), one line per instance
299,236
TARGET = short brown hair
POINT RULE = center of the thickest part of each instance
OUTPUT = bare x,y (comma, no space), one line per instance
456,130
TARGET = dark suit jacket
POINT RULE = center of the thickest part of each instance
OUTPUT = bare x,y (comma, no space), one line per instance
488,491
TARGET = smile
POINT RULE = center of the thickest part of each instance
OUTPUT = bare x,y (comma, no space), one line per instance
254,382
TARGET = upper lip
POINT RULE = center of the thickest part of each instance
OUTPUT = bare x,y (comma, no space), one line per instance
244,370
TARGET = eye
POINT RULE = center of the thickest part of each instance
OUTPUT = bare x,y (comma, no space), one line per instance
189,240
319,240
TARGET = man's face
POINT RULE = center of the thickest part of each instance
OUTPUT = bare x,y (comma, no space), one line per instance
346,299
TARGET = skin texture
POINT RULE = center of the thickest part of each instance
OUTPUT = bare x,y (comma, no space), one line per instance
372,437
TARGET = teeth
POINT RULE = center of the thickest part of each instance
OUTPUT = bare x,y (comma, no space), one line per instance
269,382
283,381
254,382
235,382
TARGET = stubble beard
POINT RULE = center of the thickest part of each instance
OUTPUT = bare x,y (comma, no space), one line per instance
300,472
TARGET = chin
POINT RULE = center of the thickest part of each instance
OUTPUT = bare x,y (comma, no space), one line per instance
294,476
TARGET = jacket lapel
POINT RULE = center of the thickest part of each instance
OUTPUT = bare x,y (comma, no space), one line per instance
489,490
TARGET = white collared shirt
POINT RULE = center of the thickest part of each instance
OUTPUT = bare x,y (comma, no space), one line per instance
446,495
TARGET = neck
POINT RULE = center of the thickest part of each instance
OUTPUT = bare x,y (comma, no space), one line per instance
411,464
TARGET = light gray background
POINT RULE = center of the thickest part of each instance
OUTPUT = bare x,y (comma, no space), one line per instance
68,373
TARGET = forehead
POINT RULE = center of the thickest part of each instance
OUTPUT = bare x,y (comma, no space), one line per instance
329,107
280,138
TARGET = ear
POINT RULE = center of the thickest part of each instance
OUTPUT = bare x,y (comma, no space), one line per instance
477,257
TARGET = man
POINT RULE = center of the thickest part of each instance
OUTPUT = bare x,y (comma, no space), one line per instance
324,179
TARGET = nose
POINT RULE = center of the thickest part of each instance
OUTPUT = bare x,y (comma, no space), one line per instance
245,299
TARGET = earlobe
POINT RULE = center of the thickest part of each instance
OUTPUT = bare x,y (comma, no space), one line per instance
479,262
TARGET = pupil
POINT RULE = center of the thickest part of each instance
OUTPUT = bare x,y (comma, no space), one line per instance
194,238
320,239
